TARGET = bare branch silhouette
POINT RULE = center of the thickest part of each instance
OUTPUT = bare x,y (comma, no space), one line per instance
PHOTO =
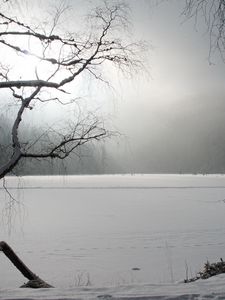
213,13
66,56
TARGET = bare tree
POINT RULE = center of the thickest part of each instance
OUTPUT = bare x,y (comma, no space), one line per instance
213,13
66,56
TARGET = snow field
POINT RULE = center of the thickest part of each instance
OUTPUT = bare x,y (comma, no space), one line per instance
126,235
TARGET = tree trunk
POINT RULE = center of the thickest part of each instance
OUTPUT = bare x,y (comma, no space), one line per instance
34,280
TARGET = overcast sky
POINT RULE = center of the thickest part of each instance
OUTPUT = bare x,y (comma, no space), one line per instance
173,118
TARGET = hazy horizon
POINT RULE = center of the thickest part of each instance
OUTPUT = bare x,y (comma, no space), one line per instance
171,118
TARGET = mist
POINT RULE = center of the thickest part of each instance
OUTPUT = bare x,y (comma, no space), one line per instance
173,121
170,117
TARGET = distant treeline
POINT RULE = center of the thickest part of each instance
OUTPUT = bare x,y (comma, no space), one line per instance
186,137
88,159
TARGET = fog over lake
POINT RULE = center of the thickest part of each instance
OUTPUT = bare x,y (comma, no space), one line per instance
133,214
170,116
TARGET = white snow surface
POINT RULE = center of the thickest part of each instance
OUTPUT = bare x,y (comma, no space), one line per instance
125,236
212,288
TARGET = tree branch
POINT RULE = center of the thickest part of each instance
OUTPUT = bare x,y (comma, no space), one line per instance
72,56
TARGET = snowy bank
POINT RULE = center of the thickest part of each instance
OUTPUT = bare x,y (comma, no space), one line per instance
213,288
133,235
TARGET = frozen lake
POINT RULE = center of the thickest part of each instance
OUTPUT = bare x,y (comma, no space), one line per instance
113,230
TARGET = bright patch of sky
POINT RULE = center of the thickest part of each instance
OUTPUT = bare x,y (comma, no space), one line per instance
178,71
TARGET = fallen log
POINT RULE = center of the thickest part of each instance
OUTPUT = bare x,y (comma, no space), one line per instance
34,280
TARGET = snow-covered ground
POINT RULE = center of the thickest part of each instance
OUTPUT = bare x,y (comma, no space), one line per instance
122,235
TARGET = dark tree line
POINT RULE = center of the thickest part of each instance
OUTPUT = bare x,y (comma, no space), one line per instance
87,160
